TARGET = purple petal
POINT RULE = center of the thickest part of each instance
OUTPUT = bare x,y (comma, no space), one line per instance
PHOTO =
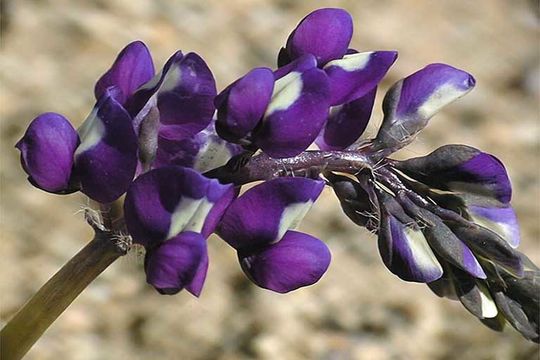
164,202
357,74
501,220
196,285
474,295
297,260
186,96
296,114
224,198
106,159
132,68
325,33
445,243
462,169
302,64
346,123
47,150
203,152
184,92
173,265
491,246
265,212
405,251
412,101
242,105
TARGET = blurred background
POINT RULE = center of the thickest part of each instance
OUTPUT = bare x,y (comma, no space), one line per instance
53,51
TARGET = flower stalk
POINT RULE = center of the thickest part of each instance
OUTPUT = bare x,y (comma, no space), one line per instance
35,317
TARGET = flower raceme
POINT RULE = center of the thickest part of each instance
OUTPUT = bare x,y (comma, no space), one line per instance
180,153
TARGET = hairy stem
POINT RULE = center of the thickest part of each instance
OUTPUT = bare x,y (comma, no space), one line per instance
263,167
27,326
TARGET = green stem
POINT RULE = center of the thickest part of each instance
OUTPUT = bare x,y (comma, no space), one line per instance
27,326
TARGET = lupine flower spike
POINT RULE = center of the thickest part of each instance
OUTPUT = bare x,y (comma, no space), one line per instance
180,153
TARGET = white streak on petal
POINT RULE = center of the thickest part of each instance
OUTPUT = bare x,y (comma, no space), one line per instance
508,232
351,62
152,83
172,79
489,309
213,154
422,254
199,217
443,96
91,132
291,217
286,91
189,215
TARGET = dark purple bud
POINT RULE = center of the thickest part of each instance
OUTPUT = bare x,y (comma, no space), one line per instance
297,260
173,265
263,214
473,294
502,220
491,246
346,123
461,169
132,68
242,105
355,75
412,101
355,201
444,242
403,247
106,159
296,114
325,33
526,323
47,149
164,202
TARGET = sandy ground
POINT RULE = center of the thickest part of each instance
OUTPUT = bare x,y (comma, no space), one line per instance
53,51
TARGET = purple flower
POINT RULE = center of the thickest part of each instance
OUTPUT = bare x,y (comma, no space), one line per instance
168,211
412,101
99,161
47,150
280,113
135,109
258,225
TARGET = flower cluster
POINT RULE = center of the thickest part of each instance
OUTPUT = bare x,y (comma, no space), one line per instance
180,153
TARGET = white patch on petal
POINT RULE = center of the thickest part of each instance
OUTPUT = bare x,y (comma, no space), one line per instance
91,132
291,217
212,155
151,83
422,254
172,78
351,62
189,215
441,97
489,309
286,91
504,230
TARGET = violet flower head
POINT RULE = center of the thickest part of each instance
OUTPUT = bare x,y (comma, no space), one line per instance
180,152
